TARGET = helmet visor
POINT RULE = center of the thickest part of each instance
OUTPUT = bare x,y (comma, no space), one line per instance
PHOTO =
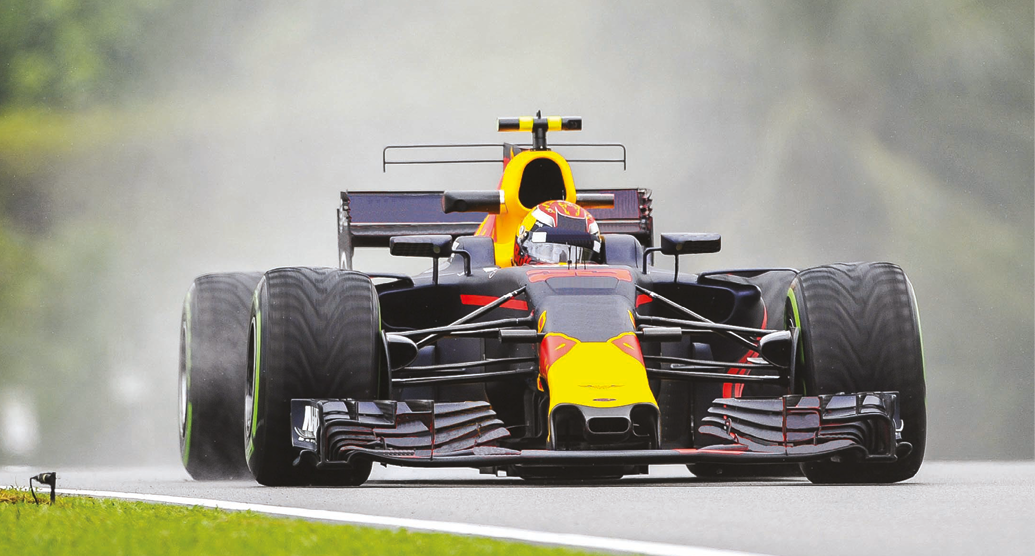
553,253
547,245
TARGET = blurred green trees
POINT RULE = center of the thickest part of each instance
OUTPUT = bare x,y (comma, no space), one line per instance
62,63
69,53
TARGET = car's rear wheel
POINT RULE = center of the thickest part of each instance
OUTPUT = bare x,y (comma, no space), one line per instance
212,369
860,331
315,333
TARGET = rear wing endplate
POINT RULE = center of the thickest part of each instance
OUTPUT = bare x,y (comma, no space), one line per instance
371,218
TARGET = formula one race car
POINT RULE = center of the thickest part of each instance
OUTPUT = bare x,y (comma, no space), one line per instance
544,343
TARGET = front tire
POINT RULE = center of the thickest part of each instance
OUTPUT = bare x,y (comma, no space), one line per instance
213,353
860,332
315,333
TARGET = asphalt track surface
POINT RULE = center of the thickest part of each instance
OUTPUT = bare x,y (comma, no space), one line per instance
948,508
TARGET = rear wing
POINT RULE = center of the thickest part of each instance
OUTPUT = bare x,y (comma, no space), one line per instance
370,218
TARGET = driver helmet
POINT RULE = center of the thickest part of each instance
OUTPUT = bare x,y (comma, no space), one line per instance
557,232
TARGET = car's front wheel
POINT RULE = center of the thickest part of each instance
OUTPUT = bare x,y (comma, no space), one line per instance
859,332
315,333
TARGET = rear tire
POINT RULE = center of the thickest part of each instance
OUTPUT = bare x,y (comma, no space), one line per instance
213,365
315,333
860,331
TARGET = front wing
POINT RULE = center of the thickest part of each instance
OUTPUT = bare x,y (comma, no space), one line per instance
862,426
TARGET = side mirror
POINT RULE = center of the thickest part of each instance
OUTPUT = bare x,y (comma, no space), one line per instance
431,246
688,244
491,201
684,244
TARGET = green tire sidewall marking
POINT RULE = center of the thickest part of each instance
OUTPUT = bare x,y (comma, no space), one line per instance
919,327
801,337
920,332
186,436
187,366
256,374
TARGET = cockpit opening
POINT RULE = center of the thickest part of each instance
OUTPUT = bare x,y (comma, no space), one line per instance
541,181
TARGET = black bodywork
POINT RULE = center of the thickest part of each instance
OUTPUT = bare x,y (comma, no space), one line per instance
461,380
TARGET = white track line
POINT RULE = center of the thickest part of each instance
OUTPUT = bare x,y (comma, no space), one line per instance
508,533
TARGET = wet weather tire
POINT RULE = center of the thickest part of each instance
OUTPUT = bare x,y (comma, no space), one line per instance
213,367
315,333
860,331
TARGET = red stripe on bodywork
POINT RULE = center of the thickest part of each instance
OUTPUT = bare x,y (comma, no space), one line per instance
731,390
483,300
552,348
629,344
643,299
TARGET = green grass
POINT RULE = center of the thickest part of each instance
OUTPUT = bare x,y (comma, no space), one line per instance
80,525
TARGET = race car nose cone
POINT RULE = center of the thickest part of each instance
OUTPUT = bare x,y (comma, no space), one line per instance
586,427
